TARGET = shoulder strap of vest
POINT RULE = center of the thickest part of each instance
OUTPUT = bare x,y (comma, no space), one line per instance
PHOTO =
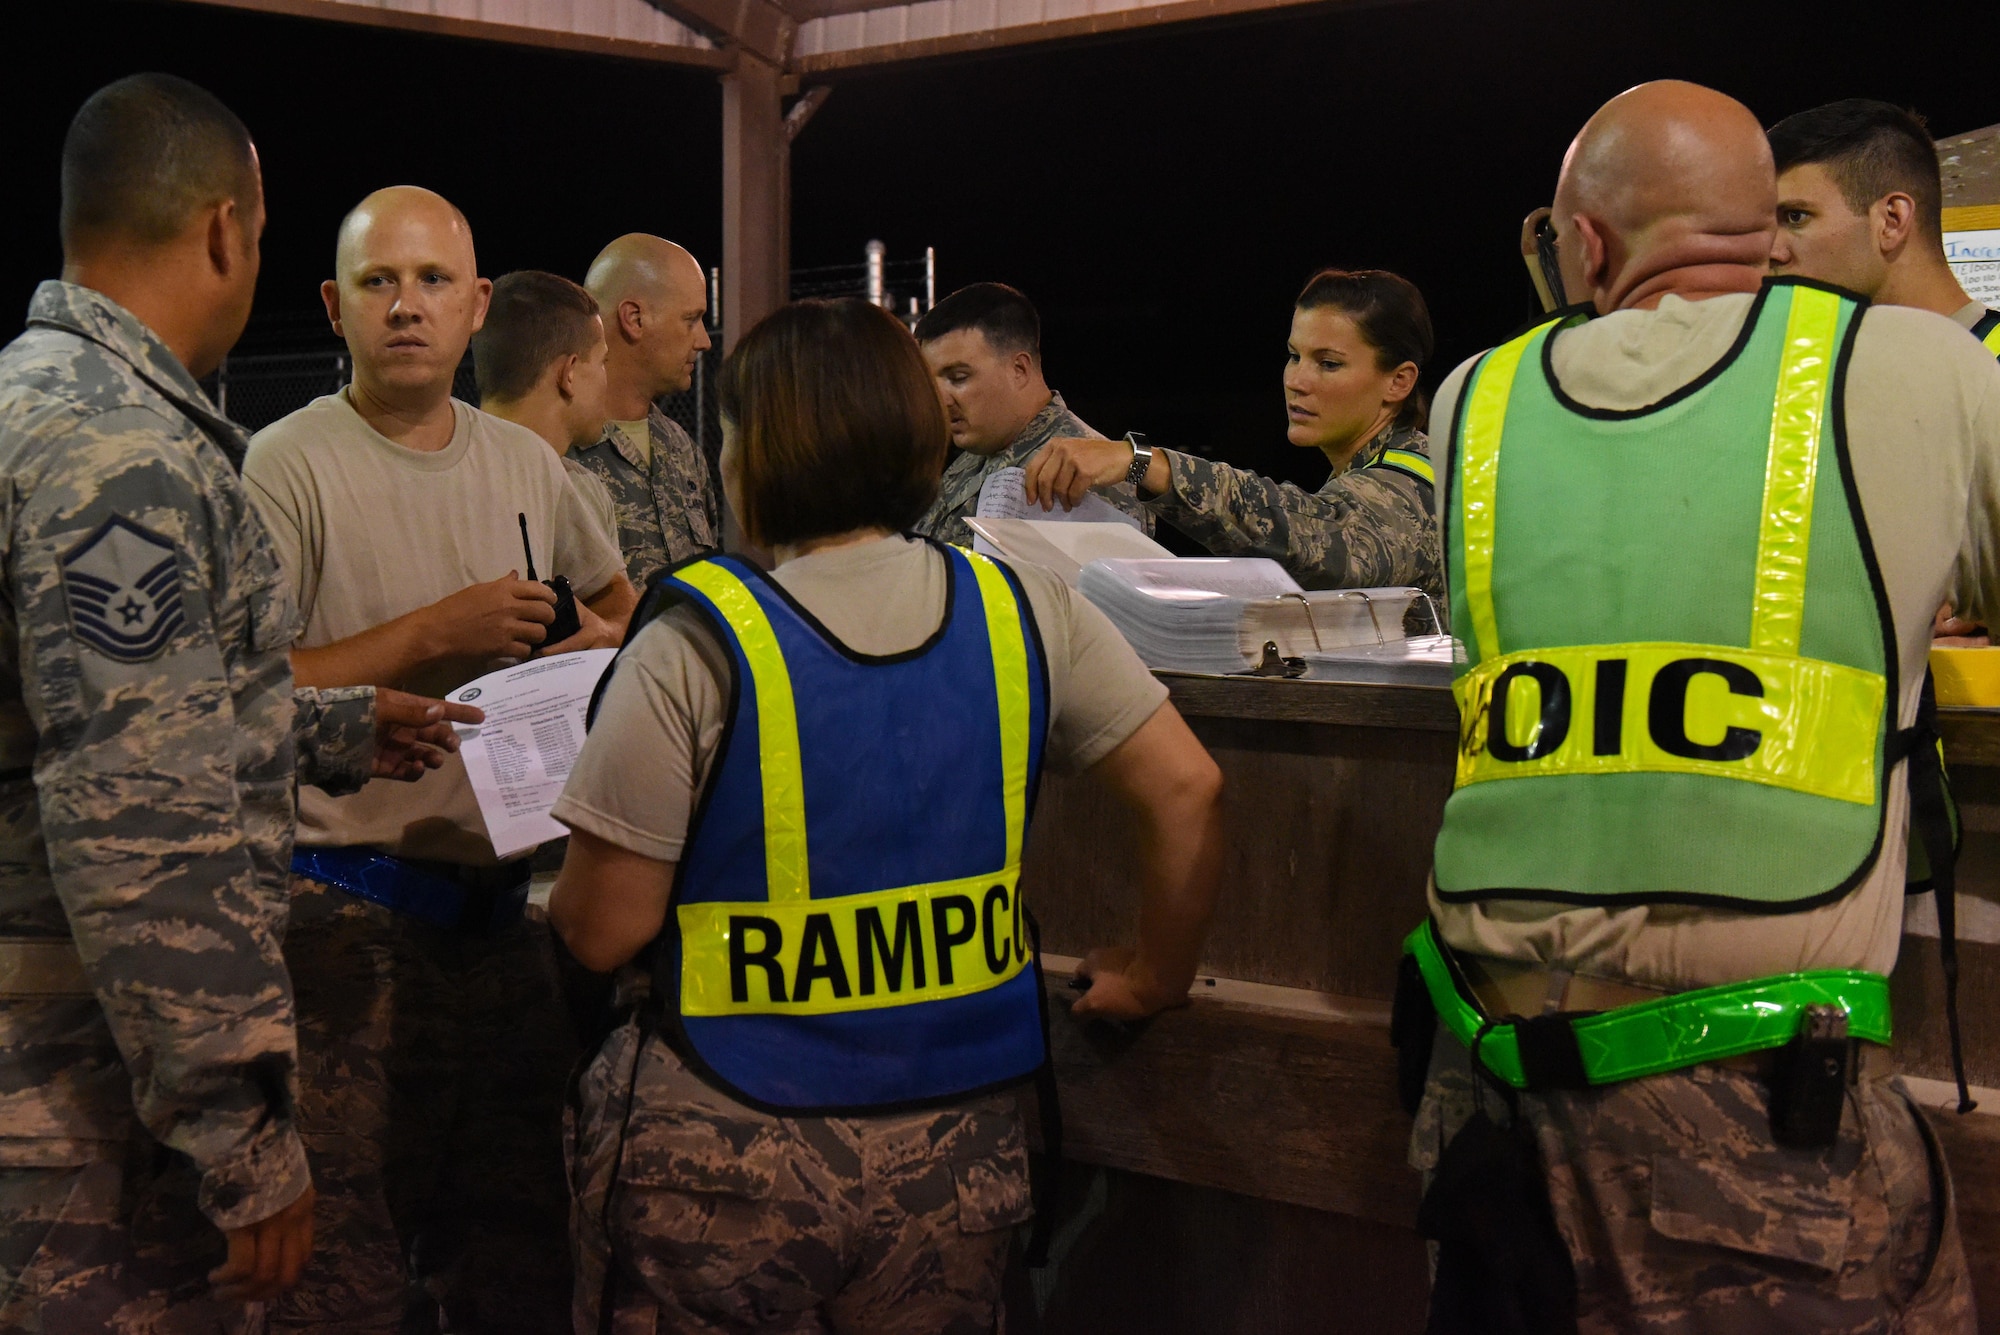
660,596
1475,455
1409,463
1987,331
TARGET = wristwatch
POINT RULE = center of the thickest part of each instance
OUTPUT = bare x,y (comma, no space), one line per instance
1142,458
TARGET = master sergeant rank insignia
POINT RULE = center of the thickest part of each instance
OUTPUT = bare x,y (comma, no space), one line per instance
123,585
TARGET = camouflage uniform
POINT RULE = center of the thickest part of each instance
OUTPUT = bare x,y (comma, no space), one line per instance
958,492
1684,1218
431,1068
725,1219
669,505
147,761
1368,527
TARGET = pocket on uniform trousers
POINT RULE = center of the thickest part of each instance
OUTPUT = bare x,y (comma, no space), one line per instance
1745,1207
1944,1193
993,1192
720,1231
702,1157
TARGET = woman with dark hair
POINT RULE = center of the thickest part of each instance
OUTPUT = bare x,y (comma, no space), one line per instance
1359,341
801,808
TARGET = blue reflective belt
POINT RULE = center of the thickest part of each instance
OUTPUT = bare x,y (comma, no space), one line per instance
397,884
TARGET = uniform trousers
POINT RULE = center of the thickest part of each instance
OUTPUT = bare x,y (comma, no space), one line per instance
432,1068
111,1249
1684,1217
711,1217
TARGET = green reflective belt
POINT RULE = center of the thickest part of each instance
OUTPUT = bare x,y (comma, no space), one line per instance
1651,1037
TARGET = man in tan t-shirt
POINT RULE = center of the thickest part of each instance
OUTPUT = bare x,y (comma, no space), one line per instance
1678,1210
539,361
1861,205
394,510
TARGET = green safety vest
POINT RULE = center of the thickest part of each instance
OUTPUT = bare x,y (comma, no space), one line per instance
1680,660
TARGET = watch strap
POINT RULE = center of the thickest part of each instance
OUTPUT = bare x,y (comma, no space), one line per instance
1142,458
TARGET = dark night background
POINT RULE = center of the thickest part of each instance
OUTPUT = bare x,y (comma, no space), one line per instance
1161,197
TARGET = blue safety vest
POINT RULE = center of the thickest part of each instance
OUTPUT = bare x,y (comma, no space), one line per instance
846,932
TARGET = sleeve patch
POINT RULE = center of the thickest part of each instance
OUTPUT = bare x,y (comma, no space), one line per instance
123,587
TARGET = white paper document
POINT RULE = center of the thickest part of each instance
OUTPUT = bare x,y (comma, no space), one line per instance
1975,262
1004,495
520,756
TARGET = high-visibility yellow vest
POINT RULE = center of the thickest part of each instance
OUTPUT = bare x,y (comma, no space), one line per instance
847,932
1681,663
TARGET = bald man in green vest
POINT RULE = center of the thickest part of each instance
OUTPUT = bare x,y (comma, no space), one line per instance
1694,537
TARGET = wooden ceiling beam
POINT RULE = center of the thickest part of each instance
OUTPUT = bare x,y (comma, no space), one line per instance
337,11
807,10
993,39
761,27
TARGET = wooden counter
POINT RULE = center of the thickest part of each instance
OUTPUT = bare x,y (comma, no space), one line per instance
1277,1084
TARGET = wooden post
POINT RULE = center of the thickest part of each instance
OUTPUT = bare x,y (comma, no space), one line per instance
756,197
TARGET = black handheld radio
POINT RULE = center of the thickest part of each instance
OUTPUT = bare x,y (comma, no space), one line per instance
566,623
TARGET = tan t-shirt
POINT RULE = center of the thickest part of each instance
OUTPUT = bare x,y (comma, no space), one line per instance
369,530
596,497
649,752
1923,431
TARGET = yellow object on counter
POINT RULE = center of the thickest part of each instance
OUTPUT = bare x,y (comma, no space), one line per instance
1967,677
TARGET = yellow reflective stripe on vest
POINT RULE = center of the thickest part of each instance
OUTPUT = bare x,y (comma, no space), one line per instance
1010,675
1774,719
852,952
796,955
1478,478
1798,417
1409,461
1992,340
785,866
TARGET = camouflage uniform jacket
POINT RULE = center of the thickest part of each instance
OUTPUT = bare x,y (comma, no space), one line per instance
958,492
1370,526
669,507
147,750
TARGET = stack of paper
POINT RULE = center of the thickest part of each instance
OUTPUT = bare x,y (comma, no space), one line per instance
1216,614
1065,548
1419,660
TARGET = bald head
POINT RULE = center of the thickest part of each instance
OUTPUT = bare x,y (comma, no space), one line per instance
654,298
399,214
643,266
406,295
1668,188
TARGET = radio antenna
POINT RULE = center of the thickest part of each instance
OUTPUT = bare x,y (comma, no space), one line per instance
527,550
